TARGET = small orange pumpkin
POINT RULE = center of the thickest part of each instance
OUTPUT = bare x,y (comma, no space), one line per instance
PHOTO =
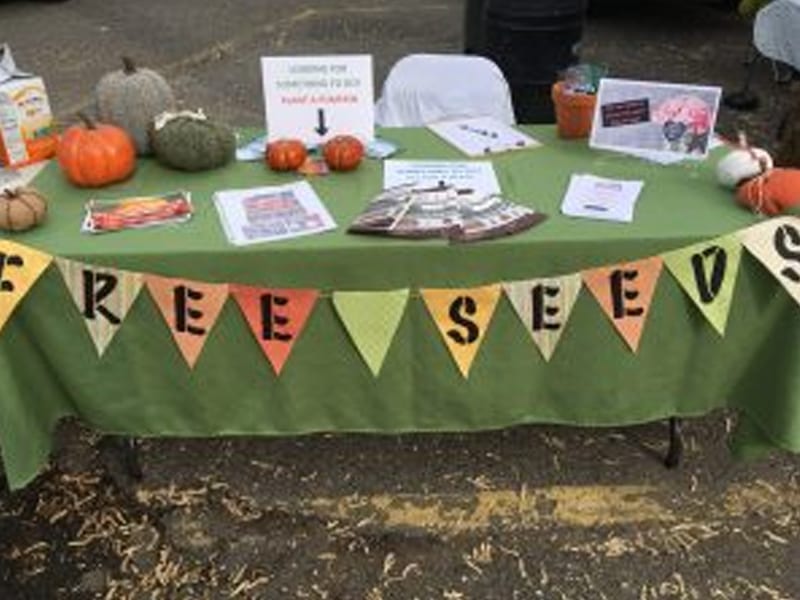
96,154
21,209
772,192
343,152
286,154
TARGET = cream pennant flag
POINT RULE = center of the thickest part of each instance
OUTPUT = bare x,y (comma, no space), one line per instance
20,267
776,244
103,297
276,317
624,292
371,319
544,306
708,273
190,309
462,316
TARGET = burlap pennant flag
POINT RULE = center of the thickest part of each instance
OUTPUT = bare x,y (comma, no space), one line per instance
708,273
276,317
190,309
776,244
20,268
544,306
371,320
624,292
462,316
103,297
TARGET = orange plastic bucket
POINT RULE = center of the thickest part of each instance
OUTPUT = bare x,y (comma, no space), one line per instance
574,112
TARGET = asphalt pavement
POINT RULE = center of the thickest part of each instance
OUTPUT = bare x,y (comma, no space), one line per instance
528,512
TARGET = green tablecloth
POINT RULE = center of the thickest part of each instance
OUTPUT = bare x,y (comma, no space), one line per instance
141,386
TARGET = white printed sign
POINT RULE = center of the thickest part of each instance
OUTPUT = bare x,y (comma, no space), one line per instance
477,175
313,98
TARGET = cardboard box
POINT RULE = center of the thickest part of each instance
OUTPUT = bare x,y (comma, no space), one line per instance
27,132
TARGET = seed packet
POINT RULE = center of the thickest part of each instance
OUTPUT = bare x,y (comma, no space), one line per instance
313,166
136,212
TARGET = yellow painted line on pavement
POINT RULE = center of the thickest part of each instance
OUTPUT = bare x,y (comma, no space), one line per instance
571,506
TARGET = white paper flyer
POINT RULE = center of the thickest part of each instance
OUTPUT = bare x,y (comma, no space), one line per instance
272,213
600,198
478,176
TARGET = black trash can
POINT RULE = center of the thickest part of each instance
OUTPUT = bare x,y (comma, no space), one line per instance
532,41
474,26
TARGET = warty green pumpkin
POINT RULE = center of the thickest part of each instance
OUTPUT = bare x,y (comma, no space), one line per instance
190,141
130,98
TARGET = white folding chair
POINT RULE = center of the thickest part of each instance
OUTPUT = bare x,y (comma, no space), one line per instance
425,88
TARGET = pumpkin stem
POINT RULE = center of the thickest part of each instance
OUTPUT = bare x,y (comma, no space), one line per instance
128,66
87,120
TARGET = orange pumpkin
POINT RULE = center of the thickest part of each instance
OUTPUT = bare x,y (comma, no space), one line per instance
343,152
286,155
96,154
771,193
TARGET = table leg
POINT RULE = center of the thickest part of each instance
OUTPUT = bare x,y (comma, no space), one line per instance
675,452
122,457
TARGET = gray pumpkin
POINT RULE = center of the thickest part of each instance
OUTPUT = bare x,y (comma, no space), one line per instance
131,98
191,142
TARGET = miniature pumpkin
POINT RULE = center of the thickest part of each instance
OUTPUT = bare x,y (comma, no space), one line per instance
21,209
190,141
131,98
772,193
286,155
742,164
96,154
343,152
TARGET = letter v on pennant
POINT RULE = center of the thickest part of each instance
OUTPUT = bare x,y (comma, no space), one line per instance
707,272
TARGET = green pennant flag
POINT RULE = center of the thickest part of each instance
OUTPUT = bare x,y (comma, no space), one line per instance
707,272
371,319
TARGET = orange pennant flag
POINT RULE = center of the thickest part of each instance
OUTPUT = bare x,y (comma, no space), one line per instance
625,292
190,309
276,317
20,268
462,316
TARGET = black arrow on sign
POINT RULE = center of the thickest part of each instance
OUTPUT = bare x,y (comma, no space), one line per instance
321,128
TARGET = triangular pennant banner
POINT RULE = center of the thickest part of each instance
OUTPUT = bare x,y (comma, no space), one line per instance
103,296
544,305
625,292
276,317
462,316
20,268
371,319
190,309
776,244
708,272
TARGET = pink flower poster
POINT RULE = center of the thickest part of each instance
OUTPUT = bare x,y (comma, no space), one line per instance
666,119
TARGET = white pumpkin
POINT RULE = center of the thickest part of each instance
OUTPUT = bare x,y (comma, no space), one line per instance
742,164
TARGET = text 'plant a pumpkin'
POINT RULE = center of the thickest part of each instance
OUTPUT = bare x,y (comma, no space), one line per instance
96,154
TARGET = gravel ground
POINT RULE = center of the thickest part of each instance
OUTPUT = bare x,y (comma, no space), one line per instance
528,512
